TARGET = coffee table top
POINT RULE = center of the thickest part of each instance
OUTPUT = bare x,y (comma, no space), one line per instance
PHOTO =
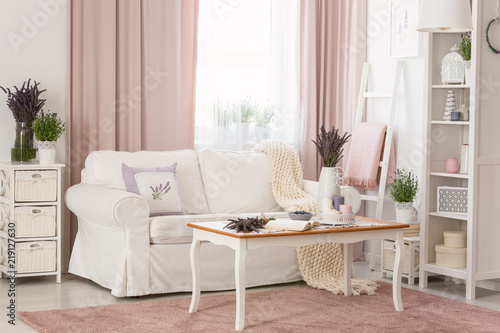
218,227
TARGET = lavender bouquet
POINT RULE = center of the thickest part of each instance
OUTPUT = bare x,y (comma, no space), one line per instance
330,146
25,104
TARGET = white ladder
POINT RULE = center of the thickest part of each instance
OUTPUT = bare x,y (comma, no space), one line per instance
384,164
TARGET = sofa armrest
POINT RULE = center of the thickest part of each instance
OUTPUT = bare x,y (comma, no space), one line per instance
107,206
311,187
113,225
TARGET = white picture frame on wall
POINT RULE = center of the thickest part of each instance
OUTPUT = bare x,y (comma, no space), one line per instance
404,38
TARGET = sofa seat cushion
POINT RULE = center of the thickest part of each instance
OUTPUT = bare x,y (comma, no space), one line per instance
276,215
174,230
104,168
237,182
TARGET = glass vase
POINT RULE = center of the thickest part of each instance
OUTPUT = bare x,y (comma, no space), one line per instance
24,150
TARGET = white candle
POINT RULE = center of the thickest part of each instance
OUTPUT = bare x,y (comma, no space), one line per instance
326,205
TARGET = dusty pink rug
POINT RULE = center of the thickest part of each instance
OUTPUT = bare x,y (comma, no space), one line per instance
300,309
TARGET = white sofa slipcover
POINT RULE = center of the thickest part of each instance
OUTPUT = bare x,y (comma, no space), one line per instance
122,248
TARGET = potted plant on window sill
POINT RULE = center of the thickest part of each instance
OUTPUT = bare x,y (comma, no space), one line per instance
48,129
403,191
263,118
244,112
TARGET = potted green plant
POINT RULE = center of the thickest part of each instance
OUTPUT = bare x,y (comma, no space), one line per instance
264,116
25,104
466,50
244,112
48,129
330,146
403,191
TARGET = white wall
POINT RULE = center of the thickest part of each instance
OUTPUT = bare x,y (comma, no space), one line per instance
32,45
408,127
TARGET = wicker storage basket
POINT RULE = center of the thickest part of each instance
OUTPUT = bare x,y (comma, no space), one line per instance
34,257
390,257
36,186
35,221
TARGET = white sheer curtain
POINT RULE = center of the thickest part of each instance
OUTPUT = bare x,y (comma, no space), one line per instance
247,73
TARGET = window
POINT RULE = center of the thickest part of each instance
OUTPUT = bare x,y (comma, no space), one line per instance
247,73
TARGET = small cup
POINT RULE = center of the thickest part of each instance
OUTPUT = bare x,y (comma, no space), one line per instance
456,115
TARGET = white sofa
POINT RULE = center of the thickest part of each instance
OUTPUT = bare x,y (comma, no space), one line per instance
122,248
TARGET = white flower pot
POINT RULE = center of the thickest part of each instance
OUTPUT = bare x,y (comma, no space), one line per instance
262,133
468,66
243,129
404,211
47,152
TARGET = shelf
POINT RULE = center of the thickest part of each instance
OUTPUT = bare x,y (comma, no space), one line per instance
31,166
450,86
456,216
3,234
38,203
31,203
5,269
449,122
459,273
450,175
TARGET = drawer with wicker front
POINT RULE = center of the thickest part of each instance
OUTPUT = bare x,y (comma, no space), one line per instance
34,221
31,257
35,186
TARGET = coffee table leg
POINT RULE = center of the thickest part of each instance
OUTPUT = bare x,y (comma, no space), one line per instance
239,271
196,273
398,267
347,269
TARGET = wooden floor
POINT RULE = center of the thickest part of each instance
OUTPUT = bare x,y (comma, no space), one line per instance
42,293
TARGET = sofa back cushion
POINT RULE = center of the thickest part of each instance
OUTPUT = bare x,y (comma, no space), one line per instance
105,168
237,182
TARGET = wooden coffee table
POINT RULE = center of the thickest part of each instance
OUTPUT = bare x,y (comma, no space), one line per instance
242,242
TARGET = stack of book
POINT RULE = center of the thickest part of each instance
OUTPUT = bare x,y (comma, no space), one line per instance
412,231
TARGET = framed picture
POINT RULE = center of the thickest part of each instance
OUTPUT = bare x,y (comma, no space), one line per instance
404,38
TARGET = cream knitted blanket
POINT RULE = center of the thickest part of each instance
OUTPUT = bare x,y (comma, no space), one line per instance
321,265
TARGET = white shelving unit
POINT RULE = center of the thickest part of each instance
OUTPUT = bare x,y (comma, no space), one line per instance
8,203
444,140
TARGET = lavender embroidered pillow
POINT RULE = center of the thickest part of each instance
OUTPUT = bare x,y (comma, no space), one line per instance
157,185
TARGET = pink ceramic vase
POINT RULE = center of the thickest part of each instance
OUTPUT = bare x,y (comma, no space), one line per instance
452,165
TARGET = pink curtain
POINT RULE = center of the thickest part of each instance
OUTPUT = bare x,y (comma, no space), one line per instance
131,79
333,50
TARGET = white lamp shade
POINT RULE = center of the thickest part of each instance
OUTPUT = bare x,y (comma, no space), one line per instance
444,16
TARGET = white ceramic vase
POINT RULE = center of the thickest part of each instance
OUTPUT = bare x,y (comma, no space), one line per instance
330,180
467,66
47,152
450,105
404,211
